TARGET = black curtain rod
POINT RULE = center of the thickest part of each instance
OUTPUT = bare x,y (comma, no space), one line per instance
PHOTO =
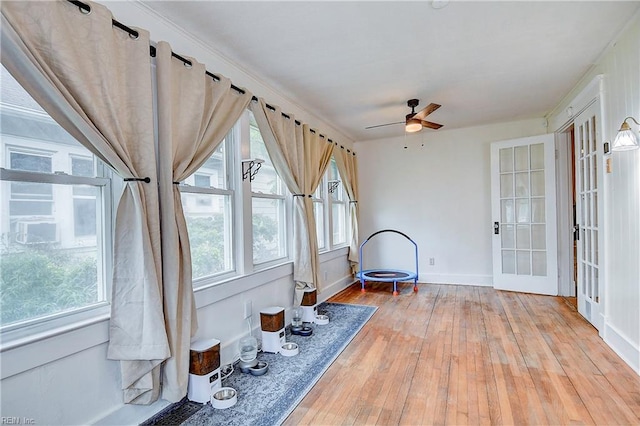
187,62
85,8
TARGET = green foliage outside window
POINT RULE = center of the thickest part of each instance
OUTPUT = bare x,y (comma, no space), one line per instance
265,238
41,281
206,236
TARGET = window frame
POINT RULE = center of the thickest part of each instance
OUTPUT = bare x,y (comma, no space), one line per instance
343,213
283,196
230,142
32,329
60,152
332,200
320,197
75,197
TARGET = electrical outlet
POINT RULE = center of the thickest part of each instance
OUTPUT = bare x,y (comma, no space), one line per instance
432,261
248,309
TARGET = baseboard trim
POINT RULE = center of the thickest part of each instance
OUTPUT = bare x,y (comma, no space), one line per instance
478,280
335,287
621,345
129,414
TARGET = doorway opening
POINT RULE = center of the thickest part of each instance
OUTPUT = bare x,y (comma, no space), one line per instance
567,215
580,212
570,289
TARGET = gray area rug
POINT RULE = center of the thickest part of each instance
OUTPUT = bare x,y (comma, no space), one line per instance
269,399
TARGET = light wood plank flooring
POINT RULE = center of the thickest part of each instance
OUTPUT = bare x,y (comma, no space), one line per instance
471,355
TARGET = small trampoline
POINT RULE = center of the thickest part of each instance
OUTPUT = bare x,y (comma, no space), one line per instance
388,275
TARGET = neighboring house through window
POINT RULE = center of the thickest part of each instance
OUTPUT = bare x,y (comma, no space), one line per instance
55,227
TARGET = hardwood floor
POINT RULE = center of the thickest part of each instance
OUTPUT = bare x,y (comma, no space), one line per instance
471,355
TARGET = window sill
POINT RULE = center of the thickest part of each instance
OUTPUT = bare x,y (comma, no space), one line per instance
215,292
335,253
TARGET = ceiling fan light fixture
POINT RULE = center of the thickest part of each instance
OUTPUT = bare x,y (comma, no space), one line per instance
413,125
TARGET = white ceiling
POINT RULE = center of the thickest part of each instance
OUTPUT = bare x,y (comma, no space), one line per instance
355,64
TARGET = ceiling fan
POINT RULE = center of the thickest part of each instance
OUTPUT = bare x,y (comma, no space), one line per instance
415,121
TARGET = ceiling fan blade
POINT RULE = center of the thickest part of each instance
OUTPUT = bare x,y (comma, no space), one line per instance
431,125
426,111
382,125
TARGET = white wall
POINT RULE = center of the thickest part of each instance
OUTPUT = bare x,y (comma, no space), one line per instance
436,190
65,378
620,66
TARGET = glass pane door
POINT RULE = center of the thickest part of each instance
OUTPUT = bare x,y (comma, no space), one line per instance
523,204
522,218
587,177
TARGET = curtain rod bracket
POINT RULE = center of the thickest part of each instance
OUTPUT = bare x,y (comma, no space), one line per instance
333,185
250,168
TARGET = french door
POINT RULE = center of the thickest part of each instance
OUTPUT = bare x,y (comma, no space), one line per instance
523,193
588,214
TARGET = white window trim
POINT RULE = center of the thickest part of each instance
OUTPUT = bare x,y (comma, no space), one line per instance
322,199
203,281
284,195
284,232
35,329
345,212
344,204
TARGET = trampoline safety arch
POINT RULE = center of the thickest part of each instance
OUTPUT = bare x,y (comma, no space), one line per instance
388,275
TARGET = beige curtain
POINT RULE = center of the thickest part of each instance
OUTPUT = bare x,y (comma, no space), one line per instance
283,140
95,81
317,155
195,113
348,168
297,162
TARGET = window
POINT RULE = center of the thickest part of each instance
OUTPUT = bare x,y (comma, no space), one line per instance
84,198
318,212
338,206
56,222
207,202
268,207
235,225
30,198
